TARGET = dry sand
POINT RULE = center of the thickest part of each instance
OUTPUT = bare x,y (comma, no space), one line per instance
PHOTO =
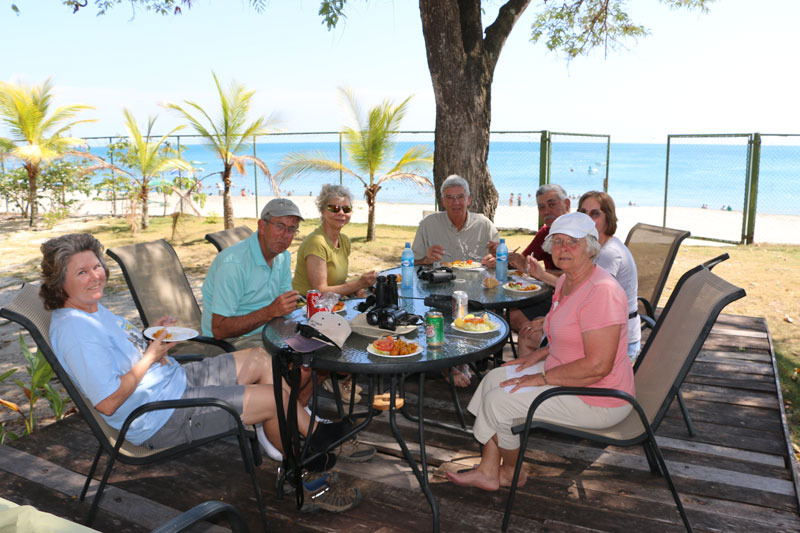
710,223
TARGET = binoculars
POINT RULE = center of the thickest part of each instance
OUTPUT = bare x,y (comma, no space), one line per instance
385,312
436,275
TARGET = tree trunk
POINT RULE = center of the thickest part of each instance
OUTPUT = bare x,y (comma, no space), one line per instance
370,193
143,194
33,204
227,205
462,62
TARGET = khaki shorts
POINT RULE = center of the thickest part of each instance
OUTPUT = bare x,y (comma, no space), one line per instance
214,377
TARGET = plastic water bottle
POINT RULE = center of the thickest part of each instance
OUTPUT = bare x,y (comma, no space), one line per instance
407,267
501,268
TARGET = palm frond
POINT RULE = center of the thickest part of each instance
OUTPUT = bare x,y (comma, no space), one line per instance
263,166
420,181
296,164
104,165
416,159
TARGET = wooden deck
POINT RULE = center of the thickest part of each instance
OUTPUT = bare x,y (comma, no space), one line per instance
737,474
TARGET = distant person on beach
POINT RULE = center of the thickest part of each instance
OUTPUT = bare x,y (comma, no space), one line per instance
456,234
511,200
220,188
552,201
519,199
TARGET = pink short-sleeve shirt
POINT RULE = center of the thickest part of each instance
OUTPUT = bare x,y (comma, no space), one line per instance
598,302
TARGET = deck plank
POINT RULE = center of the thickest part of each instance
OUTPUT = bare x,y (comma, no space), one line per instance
733,476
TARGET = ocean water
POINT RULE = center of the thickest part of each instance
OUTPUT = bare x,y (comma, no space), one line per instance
711,175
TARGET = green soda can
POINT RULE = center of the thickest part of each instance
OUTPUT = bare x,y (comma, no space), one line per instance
434,328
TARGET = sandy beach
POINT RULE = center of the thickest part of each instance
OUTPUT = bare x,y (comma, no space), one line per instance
709,223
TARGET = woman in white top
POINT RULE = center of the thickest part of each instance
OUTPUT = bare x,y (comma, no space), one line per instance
614,258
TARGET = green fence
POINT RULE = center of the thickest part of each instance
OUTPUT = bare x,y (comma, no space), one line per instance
748,183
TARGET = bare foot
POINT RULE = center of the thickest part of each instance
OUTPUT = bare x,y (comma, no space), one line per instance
459,379
473,478
507,476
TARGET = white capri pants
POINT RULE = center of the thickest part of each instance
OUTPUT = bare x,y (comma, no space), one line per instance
497,411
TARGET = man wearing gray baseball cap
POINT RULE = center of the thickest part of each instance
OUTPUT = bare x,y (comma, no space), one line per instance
250,283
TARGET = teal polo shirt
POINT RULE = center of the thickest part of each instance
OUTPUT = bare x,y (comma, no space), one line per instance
239,281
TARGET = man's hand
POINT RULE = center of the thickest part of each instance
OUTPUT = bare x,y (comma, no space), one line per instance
489,261
493,247
434,254
516,261
283,304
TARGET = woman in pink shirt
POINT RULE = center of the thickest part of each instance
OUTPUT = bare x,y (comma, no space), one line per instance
587,330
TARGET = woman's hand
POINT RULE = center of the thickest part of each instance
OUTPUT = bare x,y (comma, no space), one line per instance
531,332
531,380
368,279
157,350
536,270
531,359
165,321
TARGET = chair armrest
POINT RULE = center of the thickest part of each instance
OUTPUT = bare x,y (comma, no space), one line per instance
711,263
578,391
225,345
177,404
201,512
647,322
648,307
188,357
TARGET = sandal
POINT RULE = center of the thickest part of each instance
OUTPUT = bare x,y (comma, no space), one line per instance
345,389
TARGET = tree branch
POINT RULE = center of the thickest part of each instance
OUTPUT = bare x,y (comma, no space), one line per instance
497,32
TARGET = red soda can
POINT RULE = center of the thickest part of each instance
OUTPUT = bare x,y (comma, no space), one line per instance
311,302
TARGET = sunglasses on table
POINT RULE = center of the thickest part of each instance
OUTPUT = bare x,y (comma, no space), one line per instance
343,208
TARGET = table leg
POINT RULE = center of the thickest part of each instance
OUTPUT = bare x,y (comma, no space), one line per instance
444,425
510,335
421,474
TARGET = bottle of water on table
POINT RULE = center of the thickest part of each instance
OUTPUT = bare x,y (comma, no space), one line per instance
501,267
407,267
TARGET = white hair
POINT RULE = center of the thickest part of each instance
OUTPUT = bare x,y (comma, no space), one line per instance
454,180
592,245
552,187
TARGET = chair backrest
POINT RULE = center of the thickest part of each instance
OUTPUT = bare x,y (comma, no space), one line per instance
157,282
223,239
653,249
27,309
679,333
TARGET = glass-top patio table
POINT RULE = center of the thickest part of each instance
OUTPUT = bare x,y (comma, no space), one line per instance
458,348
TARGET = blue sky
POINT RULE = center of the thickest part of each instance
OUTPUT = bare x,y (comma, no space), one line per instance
732,70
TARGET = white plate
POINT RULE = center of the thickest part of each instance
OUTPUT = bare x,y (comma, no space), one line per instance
176,333
372,350
506,287
495,324
358,324
476,265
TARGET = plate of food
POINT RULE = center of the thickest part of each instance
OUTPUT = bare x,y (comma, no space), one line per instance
174,333
521,286
475,323
393,347
469,264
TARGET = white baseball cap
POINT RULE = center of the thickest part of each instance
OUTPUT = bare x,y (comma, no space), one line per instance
577,225
323,329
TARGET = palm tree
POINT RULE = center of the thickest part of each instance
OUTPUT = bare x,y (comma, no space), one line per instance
369,142
228,135
36,136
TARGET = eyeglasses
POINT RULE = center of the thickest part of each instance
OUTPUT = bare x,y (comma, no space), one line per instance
594,213
283,228
456,198
568,242
343,208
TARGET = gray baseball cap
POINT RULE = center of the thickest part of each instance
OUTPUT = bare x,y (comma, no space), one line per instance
281,207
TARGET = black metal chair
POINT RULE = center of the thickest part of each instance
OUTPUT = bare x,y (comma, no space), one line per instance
223,239
679,333
159,287
27,309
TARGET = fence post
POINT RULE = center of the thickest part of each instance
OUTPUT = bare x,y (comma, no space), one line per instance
608,163
545,151
255,175
752,179
340,159
666,184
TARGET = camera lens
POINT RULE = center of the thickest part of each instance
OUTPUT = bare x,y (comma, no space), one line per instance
372,318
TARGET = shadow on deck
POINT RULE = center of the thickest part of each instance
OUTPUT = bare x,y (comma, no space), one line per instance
737,474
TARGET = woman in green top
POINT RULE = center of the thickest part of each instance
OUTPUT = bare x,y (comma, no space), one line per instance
322,259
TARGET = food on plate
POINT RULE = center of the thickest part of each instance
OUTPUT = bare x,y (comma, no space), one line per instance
163,330
338,307
472,322
394,346
469,263
519,286
490,282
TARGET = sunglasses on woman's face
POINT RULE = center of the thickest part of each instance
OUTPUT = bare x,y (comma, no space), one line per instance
336,208
594,213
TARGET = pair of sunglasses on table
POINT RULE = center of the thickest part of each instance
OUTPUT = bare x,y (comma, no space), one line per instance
336,208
